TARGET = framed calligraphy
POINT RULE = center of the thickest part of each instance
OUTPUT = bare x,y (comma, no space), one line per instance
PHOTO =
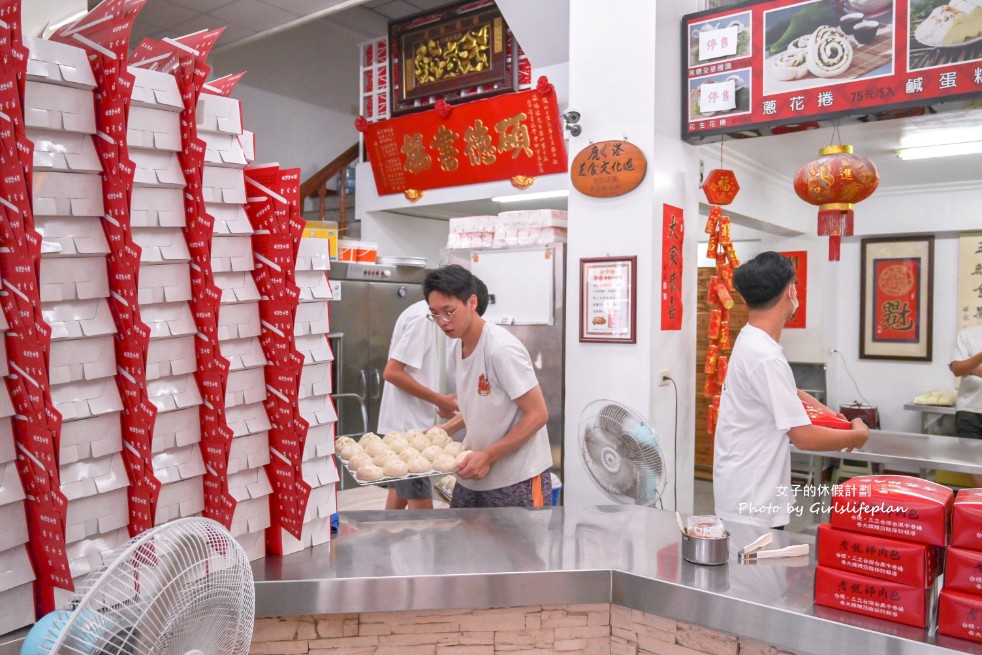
896,298
672,254
969,280
799,259
608,299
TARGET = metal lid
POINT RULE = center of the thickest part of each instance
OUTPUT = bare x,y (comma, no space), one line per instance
402,261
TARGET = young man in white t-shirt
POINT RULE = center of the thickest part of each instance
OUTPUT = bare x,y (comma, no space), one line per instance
760,410
500,402
966,363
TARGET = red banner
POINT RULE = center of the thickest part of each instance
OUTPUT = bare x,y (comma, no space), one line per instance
896,299
673,231
799,259
516,134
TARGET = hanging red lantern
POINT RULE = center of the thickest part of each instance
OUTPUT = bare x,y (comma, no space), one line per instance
835,182
720,187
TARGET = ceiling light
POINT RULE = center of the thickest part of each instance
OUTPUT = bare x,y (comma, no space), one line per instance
562,193
943,150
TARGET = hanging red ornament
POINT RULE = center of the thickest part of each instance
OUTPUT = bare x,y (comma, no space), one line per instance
835,182
720,186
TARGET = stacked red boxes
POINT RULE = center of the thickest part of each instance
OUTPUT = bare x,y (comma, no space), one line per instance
881,552
960,606
35,423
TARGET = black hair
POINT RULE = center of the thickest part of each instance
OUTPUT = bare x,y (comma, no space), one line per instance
453,280
482,295
763,279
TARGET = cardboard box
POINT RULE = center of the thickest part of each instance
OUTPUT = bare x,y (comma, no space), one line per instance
93,476
960,615
180,500
315,380
54,107
67,194
314,286
161,245
963,571
224,150
317,410
14,521
170,319
894,506
245,387
78,319
239,321
97,514
58,63
85,359
74,278
248,141
82,400
253,543
16,608
312,318
314,255
11,490
223,186
8,449
173,393
966,519
219,114
178,464
164,283
237,286
315,348
15,568
91,438
6,406
67,152
324,230
251,516
319,443
249,484
92,553
71,237
168,357
243,353
247,419
229,219
157,168
155,90
176,429
231,253
157,207
153,129
248,452
873,597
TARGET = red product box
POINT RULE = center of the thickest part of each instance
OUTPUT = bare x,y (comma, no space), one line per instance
960,615
894,506
871,597
963,571
966,520
916,565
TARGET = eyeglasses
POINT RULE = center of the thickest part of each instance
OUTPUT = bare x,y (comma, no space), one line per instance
446,317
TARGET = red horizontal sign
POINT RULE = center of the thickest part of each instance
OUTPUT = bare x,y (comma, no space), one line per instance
783,62
516,134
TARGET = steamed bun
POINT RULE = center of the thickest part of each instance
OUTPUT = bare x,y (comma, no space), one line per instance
376,448
419,465
444,462
387,439
341,442
431,452
368,438
408,454
369,472
462,456
383,457
419,442
395,468
398,445
359,460
350,451
453,448
438,437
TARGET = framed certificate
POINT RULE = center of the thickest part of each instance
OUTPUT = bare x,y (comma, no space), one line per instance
608,300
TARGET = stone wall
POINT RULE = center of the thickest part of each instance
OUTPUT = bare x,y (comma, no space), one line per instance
599,629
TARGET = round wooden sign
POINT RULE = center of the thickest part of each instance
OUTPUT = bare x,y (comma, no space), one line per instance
608,168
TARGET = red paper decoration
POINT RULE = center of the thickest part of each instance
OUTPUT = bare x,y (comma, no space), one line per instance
720,187
835,182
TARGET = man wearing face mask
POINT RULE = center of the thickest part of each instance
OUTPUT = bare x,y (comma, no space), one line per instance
760,410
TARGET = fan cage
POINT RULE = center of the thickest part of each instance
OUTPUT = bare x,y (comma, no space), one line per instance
181,587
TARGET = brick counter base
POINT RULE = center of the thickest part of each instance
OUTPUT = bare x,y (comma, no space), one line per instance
600,629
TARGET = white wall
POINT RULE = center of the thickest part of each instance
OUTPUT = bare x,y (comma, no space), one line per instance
398,235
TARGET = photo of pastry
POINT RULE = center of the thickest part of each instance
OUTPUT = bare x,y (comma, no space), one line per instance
740,21
944,32
825,42
741,84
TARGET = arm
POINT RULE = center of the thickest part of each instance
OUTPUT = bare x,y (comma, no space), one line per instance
454,425
970,366
811,400
396,375
817,438
534,416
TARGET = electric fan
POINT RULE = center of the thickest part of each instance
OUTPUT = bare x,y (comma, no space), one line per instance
621,453
182,588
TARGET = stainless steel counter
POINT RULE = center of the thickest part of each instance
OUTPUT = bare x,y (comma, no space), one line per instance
455,559
924,451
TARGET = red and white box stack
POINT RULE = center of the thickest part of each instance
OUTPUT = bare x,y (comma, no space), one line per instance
881,552
960,606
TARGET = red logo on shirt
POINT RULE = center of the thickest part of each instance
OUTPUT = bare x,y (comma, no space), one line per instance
483,386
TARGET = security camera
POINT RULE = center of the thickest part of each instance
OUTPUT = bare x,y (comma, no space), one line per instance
570,122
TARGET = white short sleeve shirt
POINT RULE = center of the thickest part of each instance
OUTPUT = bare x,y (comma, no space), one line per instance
968,343
752,454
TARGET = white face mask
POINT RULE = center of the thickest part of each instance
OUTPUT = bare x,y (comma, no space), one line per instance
794,300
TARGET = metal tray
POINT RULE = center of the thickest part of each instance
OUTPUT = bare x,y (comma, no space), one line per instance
385,479
419,262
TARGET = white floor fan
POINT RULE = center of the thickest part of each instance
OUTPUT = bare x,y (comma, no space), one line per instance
622,454
183,588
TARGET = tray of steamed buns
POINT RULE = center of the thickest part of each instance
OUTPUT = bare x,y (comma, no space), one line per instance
372,459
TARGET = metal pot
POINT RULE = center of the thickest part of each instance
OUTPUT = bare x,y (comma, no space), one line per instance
703,550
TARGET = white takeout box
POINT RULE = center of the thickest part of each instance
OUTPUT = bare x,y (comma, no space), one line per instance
248,452
68,152
320,472
224,150
16,608
169,357
312,318
314,255
314,286
91,438
80,400
11,490
67,194
161,245
173,393
14,521
219,114
229,219
176,429
71,237
247,419
74,278
178,464
249,484
157,207
78,319
248,141
154,129
168,319
8,449
180,500
155,90
15,568
231,253
58,63
315,379
315,349
243,353
245,387
97,514
164,283
318,410
237,286
251,516
238,321
84,359
55,107
223,185
86,555
93,476
253,543
157,168
319,443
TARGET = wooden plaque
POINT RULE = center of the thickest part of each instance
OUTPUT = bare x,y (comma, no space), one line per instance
608,168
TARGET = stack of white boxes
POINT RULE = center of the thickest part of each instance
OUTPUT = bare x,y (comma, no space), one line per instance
228,150
68,211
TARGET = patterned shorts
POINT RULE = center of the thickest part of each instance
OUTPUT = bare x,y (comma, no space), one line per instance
515,495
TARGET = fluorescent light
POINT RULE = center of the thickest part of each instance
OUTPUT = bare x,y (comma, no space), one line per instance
943,150
562,193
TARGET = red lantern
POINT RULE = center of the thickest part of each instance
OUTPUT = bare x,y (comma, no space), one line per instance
720,187
835,182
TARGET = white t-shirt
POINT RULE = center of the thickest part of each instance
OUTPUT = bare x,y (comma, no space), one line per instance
968,343
488,382
415,343
752,455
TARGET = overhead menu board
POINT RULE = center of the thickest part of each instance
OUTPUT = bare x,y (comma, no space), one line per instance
779,62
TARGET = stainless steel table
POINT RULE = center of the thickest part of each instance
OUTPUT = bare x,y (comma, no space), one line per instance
630,556
934,418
